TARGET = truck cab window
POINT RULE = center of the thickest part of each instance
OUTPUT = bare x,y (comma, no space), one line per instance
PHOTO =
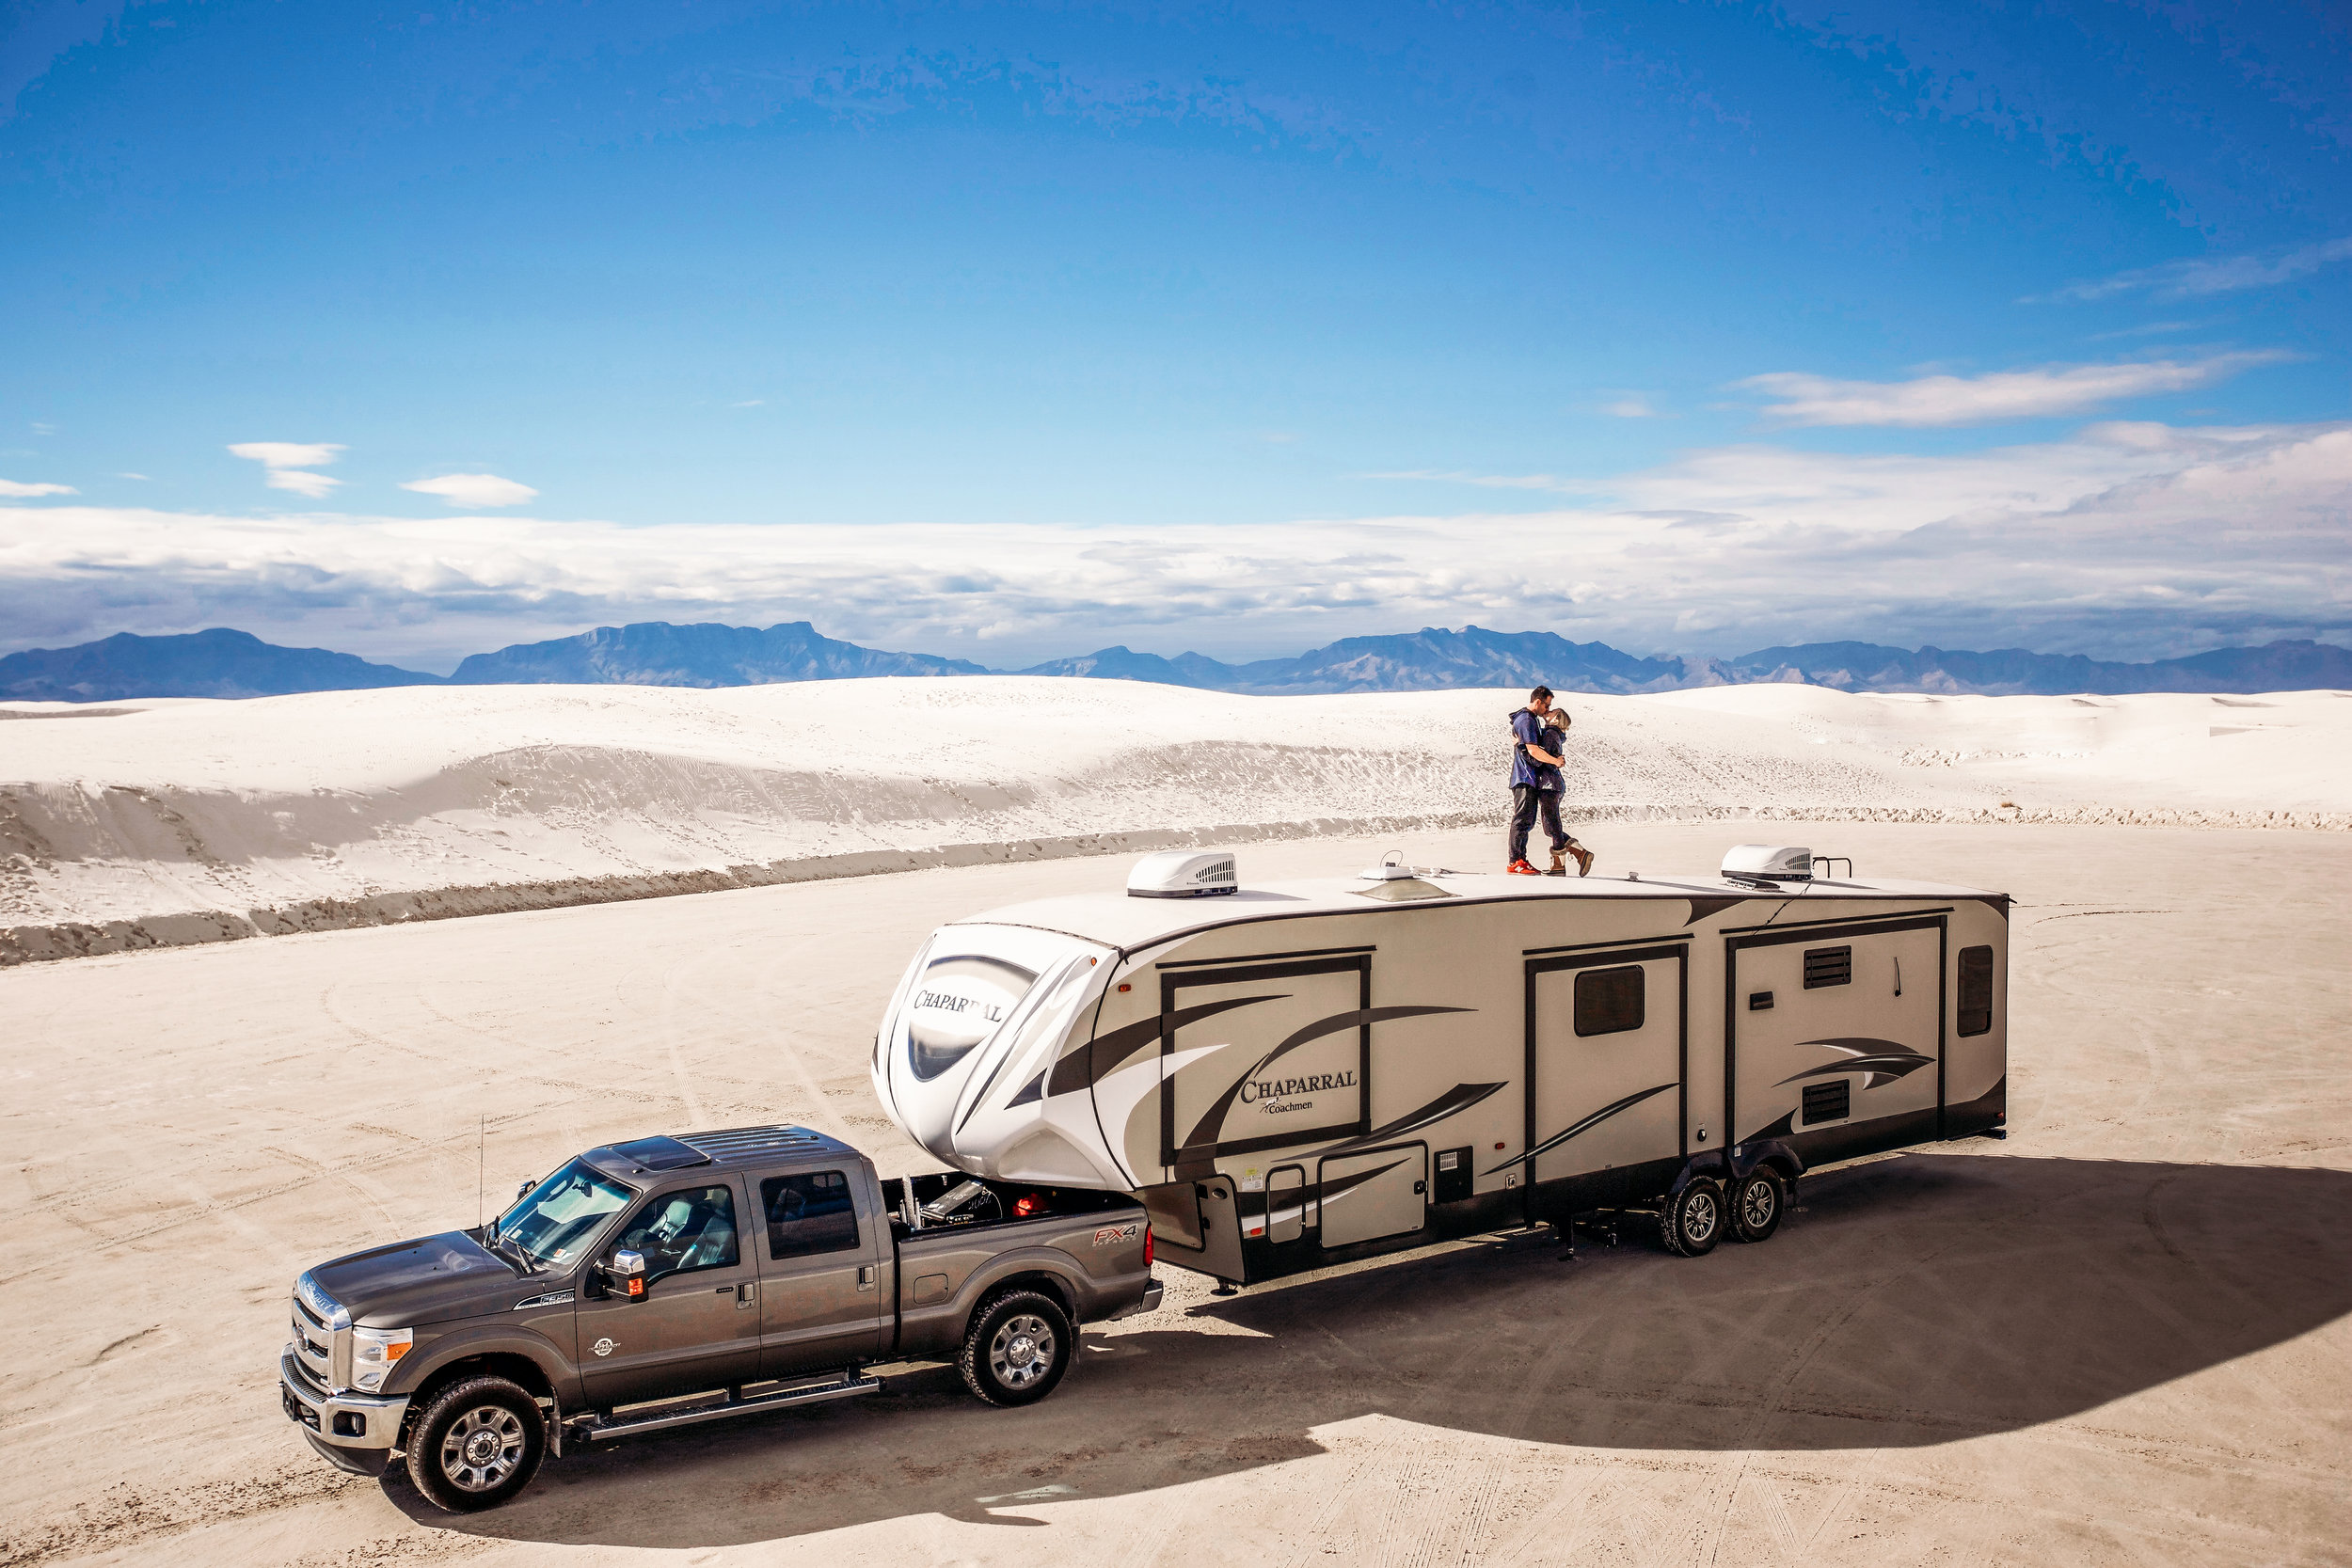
681,1232
808,1215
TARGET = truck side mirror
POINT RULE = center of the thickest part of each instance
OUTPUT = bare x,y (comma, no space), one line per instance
524,1190
627,1272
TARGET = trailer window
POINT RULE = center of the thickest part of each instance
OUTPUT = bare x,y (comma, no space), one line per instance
808,1215
957,1003
1975,990
1609,1001
1828,966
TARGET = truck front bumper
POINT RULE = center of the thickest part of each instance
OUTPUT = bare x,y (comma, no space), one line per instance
351,1432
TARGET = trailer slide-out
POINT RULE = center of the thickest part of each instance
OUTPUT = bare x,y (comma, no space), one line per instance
1298,1074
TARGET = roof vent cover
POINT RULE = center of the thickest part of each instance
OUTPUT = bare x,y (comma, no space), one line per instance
1769,863
1183,874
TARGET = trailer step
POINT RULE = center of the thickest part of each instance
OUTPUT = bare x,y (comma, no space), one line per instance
598,1431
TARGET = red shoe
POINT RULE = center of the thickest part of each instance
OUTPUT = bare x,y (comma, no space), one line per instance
1520,868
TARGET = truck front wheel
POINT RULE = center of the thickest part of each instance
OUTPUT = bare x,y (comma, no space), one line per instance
1018,1348
478,1442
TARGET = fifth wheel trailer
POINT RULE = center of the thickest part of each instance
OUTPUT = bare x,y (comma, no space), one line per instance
1298,1074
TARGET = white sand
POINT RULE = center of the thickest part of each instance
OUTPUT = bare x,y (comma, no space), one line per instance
164,822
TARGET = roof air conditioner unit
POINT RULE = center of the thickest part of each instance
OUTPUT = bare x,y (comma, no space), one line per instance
1769,863
1183,874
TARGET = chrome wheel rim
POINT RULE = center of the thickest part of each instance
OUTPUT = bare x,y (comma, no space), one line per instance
1022,1350
1698,1216
1757,1204
481,1448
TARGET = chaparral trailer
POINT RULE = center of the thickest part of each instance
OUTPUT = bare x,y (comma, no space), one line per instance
1298,1074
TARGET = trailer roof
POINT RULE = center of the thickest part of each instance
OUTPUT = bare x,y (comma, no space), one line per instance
1115,920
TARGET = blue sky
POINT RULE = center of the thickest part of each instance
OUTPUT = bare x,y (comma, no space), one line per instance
1014,332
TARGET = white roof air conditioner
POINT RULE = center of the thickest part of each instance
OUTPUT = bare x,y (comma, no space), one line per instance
1183,874
1769,863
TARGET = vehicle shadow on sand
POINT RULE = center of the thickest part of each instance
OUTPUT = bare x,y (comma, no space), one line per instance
1917,1300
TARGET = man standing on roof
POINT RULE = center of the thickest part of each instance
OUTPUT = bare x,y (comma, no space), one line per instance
1536,783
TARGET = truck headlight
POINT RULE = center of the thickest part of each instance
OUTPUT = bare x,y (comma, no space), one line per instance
374,1353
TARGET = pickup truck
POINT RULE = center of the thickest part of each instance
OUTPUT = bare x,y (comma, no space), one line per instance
626,1293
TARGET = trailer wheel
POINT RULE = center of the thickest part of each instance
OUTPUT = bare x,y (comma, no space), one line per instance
477,1444
1757,1201
1017,1349
1691,1221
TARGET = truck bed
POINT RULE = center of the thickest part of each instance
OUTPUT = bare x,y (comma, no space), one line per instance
1097,1237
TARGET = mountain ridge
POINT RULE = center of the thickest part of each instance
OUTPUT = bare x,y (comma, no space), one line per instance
224,663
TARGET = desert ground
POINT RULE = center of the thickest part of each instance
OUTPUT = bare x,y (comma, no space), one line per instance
2118,1337
133,825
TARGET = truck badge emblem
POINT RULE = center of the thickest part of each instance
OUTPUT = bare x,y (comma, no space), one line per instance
602,1347
1110,1235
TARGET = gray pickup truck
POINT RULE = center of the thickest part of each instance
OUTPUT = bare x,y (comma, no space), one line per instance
627,1293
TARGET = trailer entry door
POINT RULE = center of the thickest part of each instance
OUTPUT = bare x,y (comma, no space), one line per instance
1605,1045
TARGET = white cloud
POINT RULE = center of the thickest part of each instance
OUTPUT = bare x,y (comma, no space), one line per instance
2214,275
288,463
13,490
1931,400
1633,405
473,489
2120,538
288,454
750,403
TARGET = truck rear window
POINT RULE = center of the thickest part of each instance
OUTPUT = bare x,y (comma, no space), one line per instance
808,1215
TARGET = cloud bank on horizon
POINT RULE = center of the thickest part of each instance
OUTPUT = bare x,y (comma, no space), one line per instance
1009,333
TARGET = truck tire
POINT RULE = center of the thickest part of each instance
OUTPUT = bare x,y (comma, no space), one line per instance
1757,1201
478,1442
1691,1222
1018,1348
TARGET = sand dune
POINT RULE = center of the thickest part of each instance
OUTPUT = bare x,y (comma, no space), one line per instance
164,822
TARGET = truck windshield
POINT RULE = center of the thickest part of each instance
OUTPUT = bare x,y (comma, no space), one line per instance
560,1217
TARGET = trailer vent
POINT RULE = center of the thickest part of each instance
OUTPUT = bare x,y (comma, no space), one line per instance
1828,1101
1828,966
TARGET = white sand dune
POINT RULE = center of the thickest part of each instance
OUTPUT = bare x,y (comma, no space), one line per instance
164,822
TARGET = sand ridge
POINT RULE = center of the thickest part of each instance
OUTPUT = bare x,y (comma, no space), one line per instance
169,822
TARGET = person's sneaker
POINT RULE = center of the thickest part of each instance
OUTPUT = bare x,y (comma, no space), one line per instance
1584,859
1520,868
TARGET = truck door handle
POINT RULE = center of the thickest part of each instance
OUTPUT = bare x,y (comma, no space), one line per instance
745,1294
865,1278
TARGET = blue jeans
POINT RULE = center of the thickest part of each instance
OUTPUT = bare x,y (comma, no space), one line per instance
1526,800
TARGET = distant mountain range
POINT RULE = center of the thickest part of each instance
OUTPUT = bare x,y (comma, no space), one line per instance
225,663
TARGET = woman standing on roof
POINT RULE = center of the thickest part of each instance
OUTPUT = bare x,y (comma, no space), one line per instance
1538,736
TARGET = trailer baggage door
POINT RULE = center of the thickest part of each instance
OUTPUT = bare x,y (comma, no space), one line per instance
1382,1192
1837,1034
1604,1062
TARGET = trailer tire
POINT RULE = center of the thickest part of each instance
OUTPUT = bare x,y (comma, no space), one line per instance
1757,1201
1690,1221
1018,1348
477,1444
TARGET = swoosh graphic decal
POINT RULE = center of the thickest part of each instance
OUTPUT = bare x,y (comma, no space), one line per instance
1461,1097
1880,1061
1090,1062
1213,1122
1586,1125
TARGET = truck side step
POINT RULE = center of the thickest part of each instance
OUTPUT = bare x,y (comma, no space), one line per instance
817,1393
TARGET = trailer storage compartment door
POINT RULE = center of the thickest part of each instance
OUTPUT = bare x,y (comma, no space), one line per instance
1384,1192
1604,1062
1838,1034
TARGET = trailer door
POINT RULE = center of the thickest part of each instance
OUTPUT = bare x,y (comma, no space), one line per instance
1836,1034
1605,1046
1381,1191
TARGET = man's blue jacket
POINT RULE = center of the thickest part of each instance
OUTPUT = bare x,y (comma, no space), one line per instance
1526,771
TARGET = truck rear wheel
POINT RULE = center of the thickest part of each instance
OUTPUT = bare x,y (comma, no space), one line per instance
478,1442
1691,1222
1757,1201
1018,1348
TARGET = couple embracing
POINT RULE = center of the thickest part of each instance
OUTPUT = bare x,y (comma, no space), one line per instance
1539,734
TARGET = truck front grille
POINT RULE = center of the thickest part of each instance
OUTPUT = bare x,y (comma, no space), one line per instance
321,1349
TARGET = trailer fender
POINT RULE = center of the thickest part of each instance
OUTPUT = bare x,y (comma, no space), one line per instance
1768,1151
1715,1166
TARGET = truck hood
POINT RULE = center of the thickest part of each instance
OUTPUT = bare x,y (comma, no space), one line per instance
427,1280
